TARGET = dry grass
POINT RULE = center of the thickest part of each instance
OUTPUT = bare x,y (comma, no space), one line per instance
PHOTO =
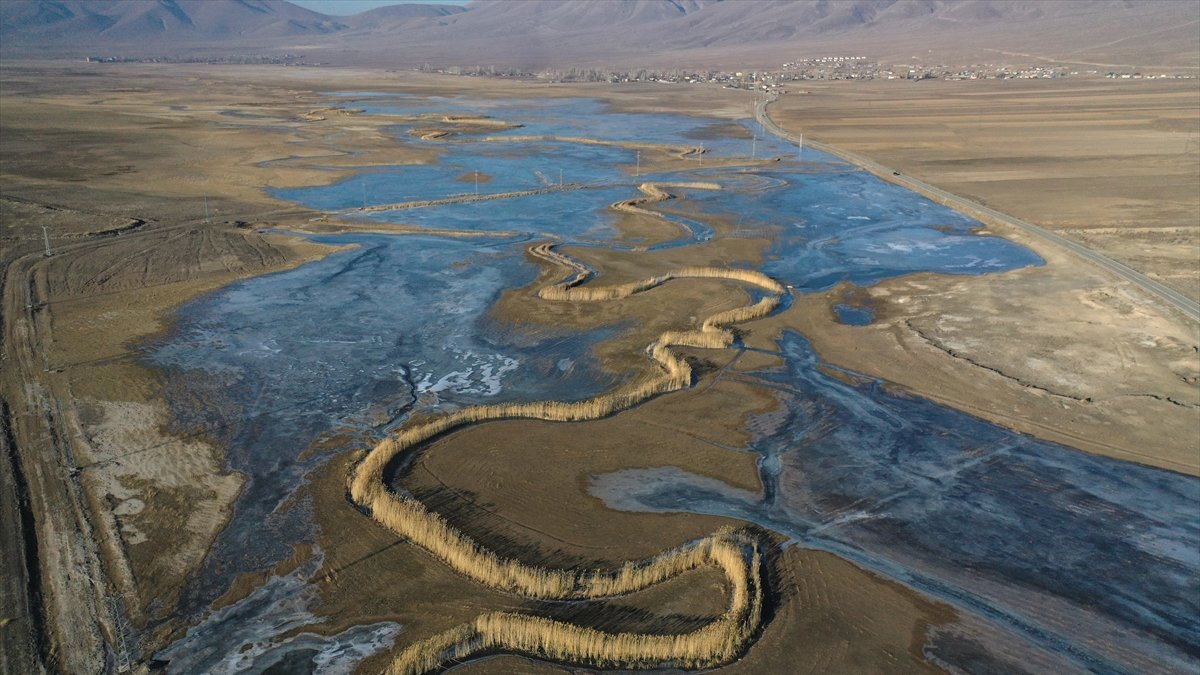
322,114
737,556
478,121
1113,164
718,642
655,193
677,151
570,289
463,198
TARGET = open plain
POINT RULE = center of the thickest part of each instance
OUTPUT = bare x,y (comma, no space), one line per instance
1111,163
150,443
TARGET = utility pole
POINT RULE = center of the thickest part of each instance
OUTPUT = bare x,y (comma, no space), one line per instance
753,147
477,181
800,149
113,608
46,237
560,179
638,170
124,662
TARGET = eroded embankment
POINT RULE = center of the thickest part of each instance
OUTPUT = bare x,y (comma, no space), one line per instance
737,555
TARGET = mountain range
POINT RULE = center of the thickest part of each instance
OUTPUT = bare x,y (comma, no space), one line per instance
546,33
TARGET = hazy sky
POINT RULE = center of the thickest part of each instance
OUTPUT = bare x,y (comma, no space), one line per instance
347,7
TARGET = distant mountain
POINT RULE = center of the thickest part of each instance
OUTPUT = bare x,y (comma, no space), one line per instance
625,29
392,17
157,21
540,33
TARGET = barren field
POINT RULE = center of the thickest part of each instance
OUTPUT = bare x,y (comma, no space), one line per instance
163,187
1113,164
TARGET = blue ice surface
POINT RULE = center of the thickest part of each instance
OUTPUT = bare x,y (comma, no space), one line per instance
1073,552
853,316
279,360
586,118
831,224
836,226
510,167
570,215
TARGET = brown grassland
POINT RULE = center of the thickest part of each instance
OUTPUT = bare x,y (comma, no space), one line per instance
1063,351
1113,164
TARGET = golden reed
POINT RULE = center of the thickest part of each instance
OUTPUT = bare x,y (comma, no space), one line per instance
736,555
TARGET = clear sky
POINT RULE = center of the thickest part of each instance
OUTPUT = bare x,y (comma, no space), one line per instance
347,7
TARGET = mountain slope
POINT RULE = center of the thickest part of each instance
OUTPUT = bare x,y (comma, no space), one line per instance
629,31
542,33
394,17
153,21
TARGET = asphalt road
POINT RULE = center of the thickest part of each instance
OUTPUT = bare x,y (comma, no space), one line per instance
1184,304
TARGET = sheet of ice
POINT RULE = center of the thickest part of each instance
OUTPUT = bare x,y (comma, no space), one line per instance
854,316
1091,558
250,636
587,118
351,342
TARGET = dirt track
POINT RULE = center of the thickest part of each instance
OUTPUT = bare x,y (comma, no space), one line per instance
86,600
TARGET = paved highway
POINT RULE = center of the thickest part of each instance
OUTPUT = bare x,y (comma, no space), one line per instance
1189,307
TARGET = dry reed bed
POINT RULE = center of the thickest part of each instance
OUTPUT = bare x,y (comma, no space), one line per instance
655,193
570,289
678,151
459,199
478,121
427,134
718,642
736,555
322,114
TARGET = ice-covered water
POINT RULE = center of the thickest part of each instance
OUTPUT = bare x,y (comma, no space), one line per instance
270,364
1065,551
1086,557
252,635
